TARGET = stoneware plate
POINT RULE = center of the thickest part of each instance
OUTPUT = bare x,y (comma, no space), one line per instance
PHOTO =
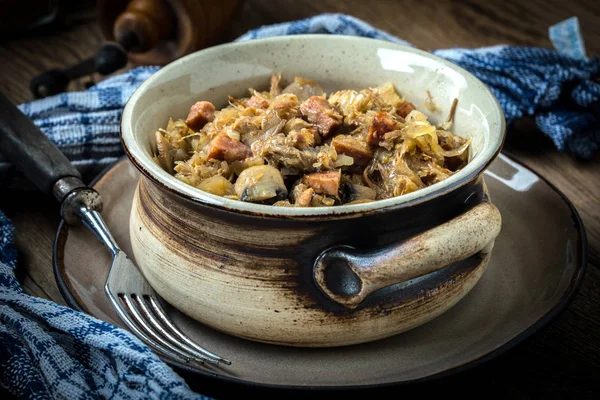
537,265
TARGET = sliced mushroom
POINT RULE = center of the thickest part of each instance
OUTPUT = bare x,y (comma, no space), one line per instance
238,166
181,154
260,183
353,192
163,147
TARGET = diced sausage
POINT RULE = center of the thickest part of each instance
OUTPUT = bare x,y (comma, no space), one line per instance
319,112
354,192
327,182
225,148
405,109
353,147
257,102
259,183
200,114
304,138
382,123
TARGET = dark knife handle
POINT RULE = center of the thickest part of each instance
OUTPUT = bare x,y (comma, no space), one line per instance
34,154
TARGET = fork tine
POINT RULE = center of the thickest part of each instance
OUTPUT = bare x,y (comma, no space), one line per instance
160,328
121,264
162,315
140,321
139,333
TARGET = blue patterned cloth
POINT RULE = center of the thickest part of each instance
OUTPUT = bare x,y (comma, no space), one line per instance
49,351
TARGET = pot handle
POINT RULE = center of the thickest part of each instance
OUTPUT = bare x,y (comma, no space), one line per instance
347,275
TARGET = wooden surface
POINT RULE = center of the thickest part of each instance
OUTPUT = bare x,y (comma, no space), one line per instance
560,361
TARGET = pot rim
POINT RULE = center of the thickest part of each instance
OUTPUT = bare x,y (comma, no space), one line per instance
146,165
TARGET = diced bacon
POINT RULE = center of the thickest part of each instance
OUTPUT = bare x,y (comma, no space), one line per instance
225,148
319,112
382,123
200,114
353,147
304,138
257,102
405,109
327,182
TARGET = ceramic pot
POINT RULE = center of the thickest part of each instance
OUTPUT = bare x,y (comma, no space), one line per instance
325,276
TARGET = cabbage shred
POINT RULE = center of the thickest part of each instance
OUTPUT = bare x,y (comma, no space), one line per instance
380,144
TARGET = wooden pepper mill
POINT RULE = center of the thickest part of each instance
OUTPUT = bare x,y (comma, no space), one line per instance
145,32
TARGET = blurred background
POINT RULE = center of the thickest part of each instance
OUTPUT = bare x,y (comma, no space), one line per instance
69,38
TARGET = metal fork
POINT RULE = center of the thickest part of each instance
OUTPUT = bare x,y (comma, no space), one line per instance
136,303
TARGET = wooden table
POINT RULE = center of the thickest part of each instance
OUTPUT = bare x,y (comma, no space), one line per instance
563,359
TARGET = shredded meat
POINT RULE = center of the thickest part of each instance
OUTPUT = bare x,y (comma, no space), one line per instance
285,105
319,112
296,124
382,124
282,151
302,195
298,147
304,139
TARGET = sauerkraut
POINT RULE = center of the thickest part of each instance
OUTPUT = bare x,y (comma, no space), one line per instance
299,147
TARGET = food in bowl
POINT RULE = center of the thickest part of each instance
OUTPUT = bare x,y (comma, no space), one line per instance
299,147
268,273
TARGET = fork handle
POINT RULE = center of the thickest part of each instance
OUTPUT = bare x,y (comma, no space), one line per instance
23,143
32,152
